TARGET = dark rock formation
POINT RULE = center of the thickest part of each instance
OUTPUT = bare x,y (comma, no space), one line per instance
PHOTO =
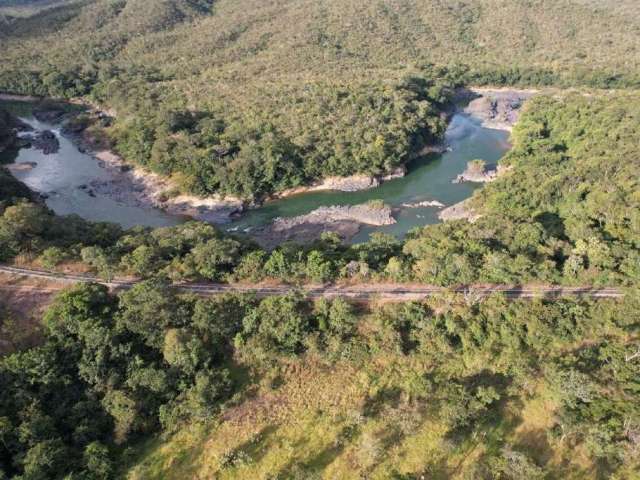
9,128
46,141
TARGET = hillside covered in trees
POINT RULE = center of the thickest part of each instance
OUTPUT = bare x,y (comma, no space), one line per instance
285,388
209,91
149,384
249,97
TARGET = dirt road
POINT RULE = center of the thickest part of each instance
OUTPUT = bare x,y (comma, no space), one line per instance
385,291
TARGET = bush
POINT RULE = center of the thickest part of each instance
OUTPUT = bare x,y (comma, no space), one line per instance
52,257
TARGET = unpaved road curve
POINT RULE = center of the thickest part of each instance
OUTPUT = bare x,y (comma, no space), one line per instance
392,292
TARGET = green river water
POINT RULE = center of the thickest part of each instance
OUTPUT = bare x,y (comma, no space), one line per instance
429,178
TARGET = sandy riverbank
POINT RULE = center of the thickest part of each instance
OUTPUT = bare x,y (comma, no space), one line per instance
352,183
135,186
128,184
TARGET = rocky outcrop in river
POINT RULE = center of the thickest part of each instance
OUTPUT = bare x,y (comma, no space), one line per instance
476,172
496,108
346,221
352,183
46,141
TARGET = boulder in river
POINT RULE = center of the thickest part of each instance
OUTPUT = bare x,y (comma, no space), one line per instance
476,172
46,141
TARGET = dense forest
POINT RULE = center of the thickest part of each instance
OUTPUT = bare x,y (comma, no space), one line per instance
205,91
566,211
151,384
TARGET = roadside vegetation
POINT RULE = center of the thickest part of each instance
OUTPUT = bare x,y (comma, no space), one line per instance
251,97
150,384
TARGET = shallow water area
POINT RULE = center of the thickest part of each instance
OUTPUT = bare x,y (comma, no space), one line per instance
65,177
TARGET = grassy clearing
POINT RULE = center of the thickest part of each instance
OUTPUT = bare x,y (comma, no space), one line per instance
339,422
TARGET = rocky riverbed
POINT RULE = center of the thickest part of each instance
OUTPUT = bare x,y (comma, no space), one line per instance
346,221
477,172
496,108
134,186
44,140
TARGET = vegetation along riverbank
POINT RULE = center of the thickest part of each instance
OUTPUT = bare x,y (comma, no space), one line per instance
132,185
561,243
202,353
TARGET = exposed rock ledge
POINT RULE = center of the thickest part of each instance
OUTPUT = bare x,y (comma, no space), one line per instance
138,187
459,211
352,183
44,140
346,221
497,108
477,172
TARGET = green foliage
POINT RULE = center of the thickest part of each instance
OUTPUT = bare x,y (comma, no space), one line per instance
51,257
279,325
111,368
99,465
336,319
114,368
564,211
568,210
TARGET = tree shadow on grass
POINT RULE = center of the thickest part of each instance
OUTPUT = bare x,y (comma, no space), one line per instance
314,466
250,451
553,224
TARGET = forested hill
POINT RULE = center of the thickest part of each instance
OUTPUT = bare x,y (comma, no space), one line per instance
209,91
276,37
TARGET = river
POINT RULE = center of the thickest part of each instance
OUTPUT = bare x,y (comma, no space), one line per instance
59,177
429,178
